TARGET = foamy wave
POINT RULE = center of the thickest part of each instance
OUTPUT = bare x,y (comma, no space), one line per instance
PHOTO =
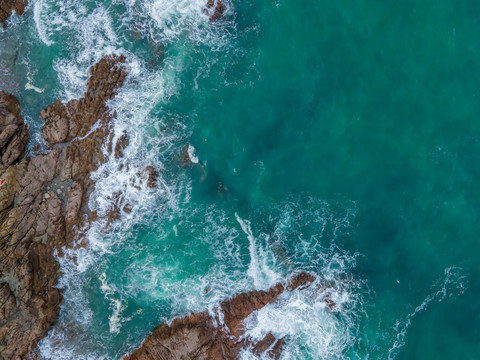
89,31
309,327
38,13
191,154
161,271
263,276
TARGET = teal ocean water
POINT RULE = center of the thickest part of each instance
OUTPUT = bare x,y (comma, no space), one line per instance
341,138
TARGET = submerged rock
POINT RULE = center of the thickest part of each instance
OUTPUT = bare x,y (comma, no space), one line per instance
7,6
198,336
152,177
43,201
214,9
186,160
121,144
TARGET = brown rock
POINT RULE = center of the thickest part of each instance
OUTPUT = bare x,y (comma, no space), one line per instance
219,10
6,7
221,7
277,349
263,345
302,281
74,202
197,337
34,221
13,133
56,128
152,177
121,144
127,209
8,105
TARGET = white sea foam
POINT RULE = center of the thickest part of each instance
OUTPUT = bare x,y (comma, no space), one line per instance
29,75
191,154
89,34
258,269
38,13
309,327
115,304
154,272
311,330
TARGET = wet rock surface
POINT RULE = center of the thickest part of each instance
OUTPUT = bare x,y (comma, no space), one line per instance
214,9
198,337
7,6
43,205
43,202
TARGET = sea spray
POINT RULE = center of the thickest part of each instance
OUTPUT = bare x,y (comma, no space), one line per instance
258,269
95,33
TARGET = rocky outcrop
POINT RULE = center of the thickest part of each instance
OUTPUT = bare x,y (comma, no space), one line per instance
214,9
7,6
43,202
199,337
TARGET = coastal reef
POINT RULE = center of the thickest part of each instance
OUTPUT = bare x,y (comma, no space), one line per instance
202,336
43,211
43,201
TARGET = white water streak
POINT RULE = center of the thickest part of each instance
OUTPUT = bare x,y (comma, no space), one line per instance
262,275
453,284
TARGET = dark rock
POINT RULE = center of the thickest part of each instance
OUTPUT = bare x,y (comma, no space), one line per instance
127,209
136,31
186,161
221,7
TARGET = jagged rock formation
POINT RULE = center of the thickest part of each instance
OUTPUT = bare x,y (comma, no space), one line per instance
197,336
7,6
43,202
43,205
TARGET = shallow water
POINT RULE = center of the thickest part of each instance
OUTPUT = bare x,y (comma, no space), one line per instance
338,138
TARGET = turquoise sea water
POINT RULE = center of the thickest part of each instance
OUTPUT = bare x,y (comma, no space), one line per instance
340,138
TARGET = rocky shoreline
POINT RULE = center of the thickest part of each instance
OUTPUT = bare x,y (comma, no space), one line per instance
7,6
222,337
43,202
43,209
214,9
